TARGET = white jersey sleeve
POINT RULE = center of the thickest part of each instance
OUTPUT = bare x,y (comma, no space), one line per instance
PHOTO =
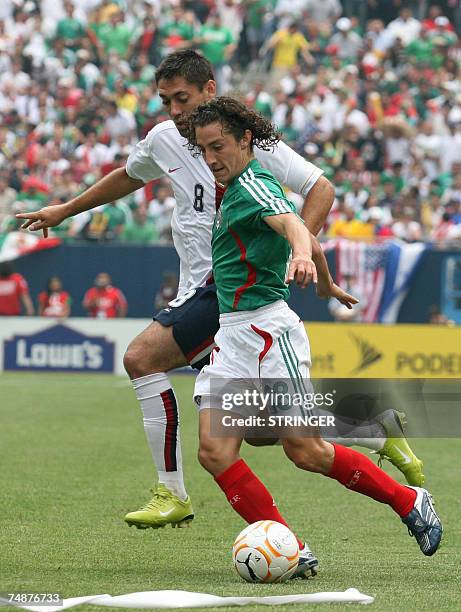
289,168
141,164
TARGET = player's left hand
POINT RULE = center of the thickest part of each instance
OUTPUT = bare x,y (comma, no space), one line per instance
345,298
302,271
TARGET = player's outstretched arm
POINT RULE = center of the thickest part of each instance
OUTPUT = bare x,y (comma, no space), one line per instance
317,205
326,287
115,185
325,280
301,269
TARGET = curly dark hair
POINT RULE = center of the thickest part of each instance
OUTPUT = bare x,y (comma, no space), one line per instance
235,118
186,63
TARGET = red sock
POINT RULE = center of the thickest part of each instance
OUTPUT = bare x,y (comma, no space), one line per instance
248,496
357,472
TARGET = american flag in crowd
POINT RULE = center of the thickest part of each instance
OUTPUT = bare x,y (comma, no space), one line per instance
366,263
382,273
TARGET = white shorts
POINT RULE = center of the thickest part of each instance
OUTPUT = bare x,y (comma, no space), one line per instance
255,348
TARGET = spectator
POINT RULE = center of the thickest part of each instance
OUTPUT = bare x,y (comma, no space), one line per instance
105,222
161,211
147,41
443,30
107,9
452,193
120,122
14,293
260,100
406,228
217,45
167,291
125,97
287,43
436,317
427,148
379,219
141,230
357,197
323,10
54,301
405,27
71,30
349,226
178,32
451,145
255,13
91,152
143,74
387,198
7,198
115,35
346,42
103,300
375,102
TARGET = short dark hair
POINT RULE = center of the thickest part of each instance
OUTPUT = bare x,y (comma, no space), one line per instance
6,269
50,280
186,63
235,118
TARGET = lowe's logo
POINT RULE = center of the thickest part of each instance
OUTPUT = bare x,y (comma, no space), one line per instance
59,348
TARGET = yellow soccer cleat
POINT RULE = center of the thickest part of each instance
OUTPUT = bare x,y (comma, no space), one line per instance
397,450
163,509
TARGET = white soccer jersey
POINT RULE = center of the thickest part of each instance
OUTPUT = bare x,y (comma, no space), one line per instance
164,152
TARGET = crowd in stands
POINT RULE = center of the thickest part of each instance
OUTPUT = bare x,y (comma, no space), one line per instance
102,300
370,91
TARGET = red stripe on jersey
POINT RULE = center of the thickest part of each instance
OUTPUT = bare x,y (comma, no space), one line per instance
265,335
201,347
251,279
219,194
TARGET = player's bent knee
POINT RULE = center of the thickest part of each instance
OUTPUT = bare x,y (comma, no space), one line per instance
305,462
205,458
214,460
209,457
310,454
138,361
152,352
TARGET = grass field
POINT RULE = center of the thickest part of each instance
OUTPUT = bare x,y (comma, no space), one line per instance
74,460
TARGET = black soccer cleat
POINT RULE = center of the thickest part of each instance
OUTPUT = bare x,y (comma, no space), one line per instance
423,522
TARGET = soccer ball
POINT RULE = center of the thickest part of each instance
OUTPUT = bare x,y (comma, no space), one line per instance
265,551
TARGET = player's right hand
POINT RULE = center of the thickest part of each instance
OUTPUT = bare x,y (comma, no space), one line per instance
302,270
42,219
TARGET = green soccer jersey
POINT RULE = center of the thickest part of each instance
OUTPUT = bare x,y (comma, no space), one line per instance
249,258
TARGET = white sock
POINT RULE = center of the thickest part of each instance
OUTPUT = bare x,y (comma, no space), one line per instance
375,444
161,424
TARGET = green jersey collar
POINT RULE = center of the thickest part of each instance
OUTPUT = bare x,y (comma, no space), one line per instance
253,164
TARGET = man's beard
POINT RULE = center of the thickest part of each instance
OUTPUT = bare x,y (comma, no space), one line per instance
181,124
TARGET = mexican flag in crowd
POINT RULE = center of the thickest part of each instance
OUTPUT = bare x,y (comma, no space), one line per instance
17,244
